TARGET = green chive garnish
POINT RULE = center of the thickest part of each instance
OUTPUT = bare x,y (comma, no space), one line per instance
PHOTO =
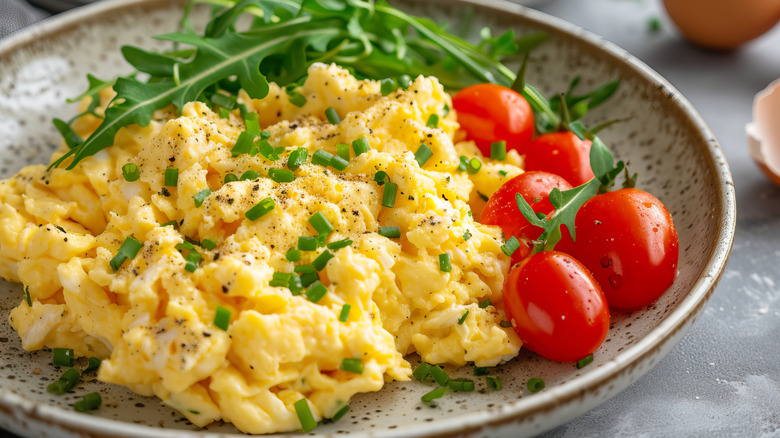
388,197
404,81
505,324
244,144
130,172
295,285
304,269
224,113
64,384
352,366
62,357
342,150
433,395
360,146
338,163
296,98
297,158
304,415
200,197
498,150
171,177
584,361
502,172
252,123
484,303
510,246
464,163
320,223
433,121
439,375
461,385
128,250
249,175
463,317
90,402
93,363
388,85
333,116
316,291
322,260
27,296
422,371
480,371
494,383
306,243
172,223
390,232
474,166
222,318
381,177
340,413
535,384
467,235
321,158
268,151
281,279
192,259
260,209
344,315
225,101
309,278
293,255
229,178
208,244
444,263
281,175
423,154
343,243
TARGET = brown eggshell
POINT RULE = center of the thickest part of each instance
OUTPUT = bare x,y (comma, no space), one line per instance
764,132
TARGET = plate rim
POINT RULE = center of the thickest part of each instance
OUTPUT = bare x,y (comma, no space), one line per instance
674,325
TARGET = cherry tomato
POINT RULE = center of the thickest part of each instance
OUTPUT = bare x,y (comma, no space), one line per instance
628,241
490,113
556,307
501,209
561,153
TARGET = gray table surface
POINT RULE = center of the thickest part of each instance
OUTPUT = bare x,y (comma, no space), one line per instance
723,378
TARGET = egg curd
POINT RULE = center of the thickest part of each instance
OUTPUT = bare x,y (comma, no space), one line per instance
152,321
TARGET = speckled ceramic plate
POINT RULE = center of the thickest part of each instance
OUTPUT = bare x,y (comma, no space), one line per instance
665,140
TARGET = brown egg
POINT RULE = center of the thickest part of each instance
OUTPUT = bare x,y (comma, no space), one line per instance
723,24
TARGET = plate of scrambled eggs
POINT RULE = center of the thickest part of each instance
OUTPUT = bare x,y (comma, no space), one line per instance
170,259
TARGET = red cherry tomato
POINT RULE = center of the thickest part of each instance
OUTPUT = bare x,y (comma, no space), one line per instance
501,209
561,153
556,307
627,240
490,113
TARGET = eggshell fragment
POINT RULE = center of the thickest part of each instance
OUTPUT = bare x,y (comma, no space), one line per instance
764,132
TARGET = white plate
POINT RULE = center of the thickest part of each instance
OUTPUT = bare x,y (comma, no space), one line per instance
677,158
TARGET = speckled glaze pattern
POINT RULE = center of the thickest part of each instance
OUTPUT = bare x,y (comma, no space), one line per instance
663,139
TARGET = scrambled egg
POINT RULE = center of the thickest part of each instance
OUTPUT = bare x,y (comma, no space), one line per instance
152,322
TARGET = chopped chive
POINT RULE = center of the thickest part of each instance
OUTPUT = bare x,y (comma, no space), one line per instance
308,278
65,383
193,411
296,98
171,177
388,196
360,146
244,144
90,402
208,244
404,81
480,371
494,383
352,366
316,291
252,123
463,317
321,239
249,175
128,250
192,259
433,395
295,285
297,158
293,255
224,113
483,197
484,303
344,315
229,178
535,384
304,269
172,223
342,150
439,375
473,166
467,235
444,263
338,163
390,232
93,363
281,175
200,197
320,223
422,371
130,172
242,109
505,324
584,362
281,279
268,151
27,296
62,357
388,85
322,260
308,423
502,172
321,158
225,101
461,385
433,121
423,154
265,135
260,209
343,243
498,150
340,413
306,243
446,110
222,318
381,177
333,116
510,246
464,163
